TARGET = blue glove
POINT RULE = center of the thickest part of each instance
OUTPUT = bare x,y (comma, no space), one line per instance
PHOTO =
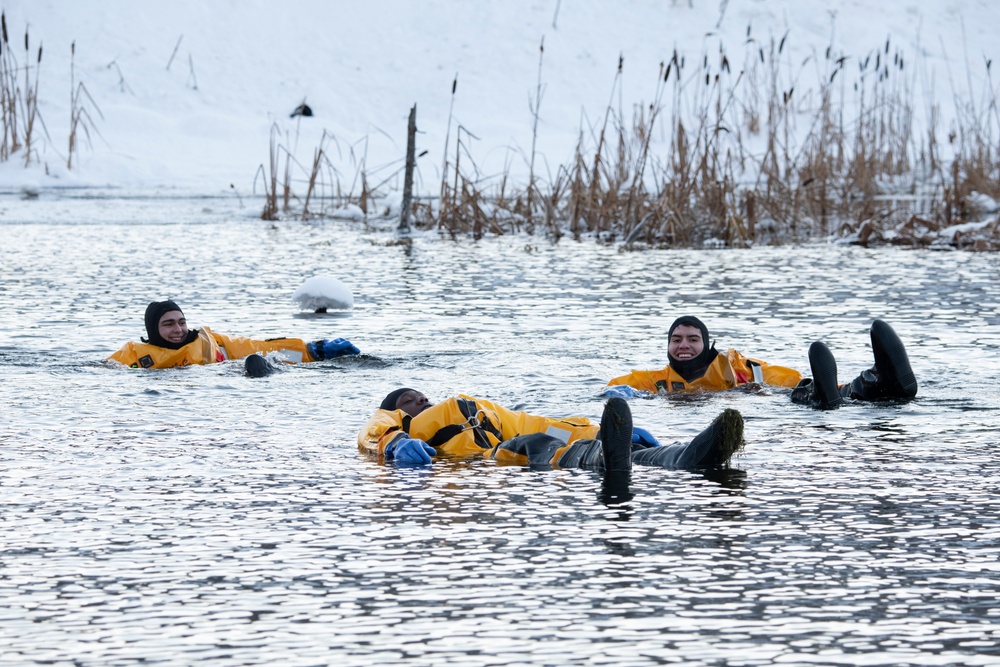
621,391
330,349
644,437
409,450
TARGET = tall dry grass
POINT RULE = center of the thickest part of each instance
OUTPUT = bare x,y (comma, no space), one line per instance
19,102
770,152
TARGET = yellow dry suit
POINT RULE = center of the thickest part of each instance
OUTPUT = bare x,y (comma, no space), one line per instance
725,372
467,426
209,348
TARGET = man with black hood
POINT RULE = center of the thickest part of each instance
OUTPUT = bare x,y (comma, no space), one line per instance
694,365
170,343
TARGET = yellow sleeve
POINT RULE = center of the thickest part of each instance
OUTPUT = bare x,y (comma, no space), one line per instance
382,428
126,355
774,375
637,379
293,350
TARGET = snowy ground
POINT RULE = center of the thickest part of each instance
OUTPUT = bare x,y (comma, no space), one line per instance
185,94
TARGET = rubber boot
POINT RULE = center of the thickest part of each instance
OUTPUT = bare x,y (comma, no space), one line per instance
616,435
891,377
256,366
714,446
612,450
819,391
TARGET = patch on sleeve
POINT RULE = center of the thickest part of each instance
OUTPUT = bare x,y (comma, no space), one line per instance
146,361
293,356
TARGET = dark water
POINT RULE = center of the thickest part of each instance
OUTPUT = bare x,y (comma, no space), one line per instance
196,516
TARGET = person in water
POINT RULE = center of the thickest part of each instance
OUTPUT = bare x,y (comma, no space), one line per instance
409,428
170,343
696,365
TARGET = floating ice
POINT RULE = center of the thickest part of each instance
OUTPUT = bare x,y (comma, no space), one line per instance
321,293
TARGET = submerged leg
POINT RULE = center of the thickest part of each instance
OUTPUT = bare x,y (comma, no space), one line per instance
891,377
533,449
821,390
712,447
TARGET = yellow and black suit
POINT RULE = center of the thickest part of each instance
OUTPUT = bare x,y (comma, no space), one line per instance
209,348
725,372
465,426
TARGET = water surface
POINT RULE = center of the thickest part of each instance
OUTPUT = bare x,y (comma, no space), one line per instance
195,515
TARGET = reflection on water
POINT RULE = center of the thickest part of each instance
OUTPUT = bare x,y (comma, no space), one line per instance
197,515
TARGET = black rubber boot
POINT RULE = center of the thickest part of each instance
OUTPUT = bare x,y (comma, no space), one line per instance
714,446
821,390
891,377
611,451
256,366
616,435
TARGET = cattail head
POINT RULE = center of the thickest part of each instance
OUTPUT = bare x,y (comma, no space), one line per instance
25,41
39,54
3,25
454,84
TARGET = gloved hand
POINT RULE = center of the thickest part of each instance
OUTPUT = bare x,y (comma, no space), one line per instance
644,437
409,450
330,349
621,391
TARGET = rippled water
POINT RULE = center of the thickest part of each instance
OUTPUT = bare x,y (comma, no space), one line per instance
195,515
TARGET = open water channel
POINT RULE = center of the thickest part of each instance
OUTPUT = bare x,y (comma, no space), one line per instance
196,516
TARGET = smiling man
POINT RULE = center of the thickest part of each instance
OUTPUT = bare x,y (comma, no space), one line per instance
696,366
170,343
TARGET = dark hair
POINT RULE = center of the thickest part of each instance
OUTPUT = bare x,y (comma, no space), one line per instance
389,402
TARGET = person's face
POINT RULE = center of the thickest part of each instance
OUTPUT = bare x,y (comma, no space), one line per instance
173,327
685,343
412,403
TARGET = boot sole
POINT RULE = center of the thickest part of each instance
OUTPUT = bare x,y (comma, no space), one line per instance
616,435
892,362
726,435
824,372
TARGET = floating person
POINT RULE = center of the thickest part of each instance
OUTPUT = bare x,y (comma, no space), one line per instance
170,343
408,428
696,366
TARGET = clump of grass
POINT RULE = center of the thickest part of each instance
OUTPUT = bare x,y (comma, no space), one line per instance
81,103
19,110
